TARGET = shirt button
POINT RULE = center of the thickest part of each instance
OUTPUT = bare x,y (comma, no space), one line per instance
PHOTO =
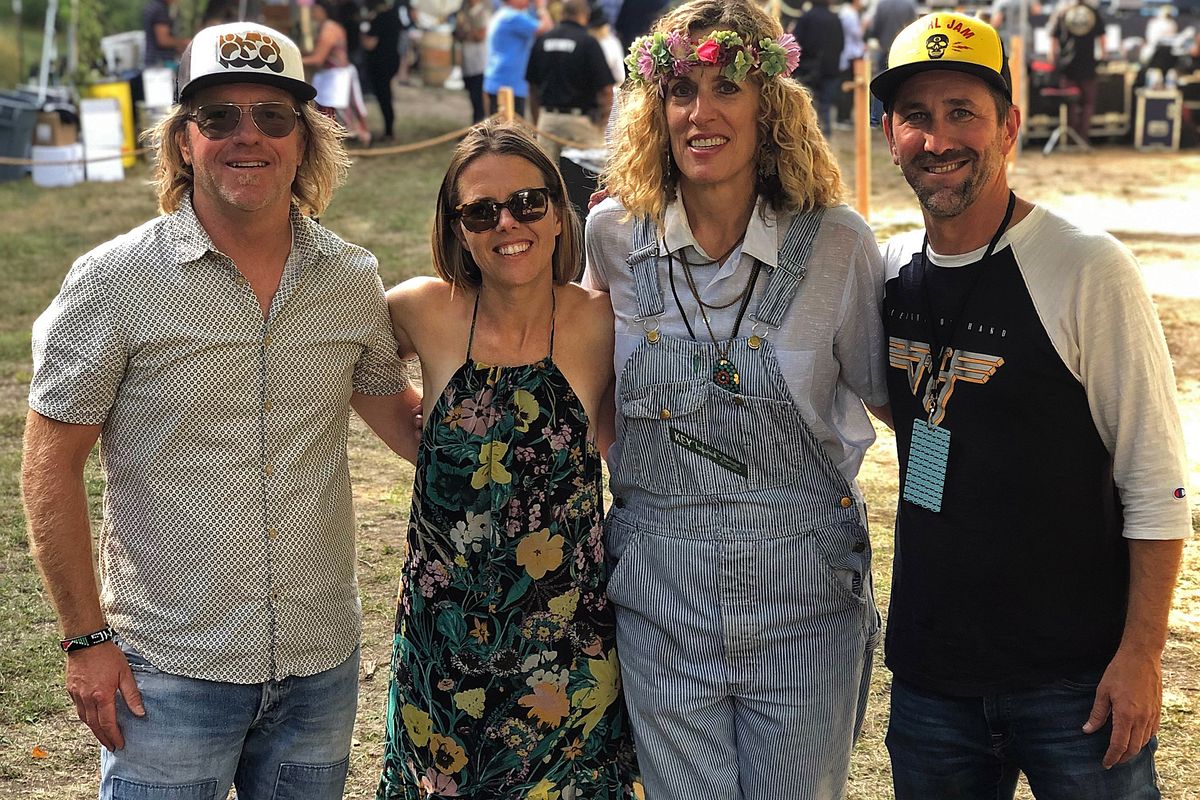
240,280
272,533
665,413
268,468
274,595
267,340
845,502
267,405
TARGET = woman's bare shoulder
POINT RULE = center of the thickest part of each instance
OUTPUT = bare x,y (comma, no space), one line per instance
591,305
420,290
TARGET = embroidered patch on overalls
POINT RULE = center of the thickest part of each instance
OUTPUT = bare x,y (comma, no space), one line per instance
714,455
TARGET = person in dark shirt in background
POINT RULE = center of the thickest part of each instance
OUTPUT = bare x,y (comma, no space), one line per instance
1074,29
882,23
636,16
381,43
162,45
820,36
570,82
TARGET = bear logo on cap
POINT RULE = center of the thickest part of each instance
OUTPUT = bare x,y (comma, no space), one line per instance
254,50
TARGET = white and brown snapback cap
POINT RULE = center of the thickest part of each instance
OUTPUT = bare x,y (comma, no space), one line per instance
241,52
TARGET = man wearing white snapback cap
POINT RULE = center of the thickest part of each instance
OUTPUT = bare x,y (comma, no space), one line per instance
1038,535
215,352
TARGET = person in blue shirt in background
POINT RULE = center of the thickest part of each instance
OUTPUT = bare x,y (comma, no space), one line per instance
509,41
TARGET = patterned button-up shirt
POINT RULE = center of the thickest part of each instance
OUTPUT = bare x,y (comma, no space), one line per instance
227,547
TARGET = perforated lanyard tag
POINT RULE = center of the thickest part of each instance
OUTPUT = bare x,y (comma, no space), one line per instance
928,456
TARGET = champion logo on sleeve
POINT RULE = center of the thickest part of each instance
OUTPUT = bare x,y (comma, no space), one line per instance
1180,493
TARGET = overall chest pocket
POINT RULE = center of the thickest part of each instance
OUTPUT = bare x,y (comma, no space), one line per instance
694,438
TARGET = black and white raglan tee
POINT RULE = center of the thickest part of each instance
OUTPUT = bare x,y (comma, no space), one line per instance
1065,441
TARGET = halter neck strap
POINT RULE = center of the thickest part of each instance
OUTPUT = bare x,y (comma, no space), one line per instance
553,321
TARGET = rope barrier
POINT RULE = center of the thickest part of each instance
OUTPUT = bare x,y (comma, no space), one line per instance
413,146
398,149
26,162
556,139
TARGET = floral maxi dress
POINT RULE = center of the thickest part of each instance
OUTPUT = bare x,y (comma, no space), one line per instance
505,681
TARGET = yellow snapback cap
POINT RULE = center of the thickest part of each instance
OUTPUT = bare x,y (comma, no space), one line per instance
944,40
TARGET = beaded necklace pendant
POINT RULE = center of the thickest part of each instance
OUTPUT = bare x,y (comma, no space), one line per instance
726,376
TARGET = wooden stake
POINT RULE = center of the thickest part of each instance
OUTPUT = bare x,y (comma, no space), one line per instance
1016,68
504,98
862,137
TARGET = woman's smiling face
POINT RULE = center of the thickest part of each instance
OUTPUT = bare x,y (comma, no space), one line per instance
512,252
713,127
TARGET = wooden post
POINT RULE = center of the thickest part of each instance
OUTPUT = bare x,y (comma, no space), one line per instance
1016,68
862,137
306,31
504,98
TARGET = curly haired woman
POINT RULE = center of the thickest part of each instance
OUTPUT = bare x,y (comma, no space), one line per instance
748,339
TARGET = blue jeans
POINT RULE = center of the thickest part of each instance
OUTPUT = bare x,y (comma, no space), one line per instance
974,747
279,740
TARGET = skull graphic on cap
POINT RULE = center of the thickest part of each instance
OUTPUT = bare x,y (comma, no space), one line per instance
936,45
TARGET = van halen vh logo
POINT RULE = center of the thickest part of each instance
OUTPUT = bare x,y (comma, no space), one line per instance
957,365
253,49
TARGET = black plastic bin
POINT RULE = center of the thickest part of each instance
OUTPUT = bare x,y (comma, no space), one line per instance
18,112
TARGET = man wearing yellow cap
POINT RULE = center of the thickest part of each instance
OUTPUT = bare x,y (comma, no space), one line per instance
1038,535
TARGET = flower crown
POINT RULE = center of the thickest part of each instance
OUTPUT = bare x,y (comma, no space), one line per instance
663,56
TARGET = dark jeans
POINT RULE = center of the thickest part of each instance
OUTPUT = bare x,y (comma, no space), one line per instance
474,84
974,747
381,86
827,93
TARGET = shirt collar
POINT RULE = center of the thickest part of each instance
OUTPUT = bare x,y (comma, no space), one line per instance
192,241
761,241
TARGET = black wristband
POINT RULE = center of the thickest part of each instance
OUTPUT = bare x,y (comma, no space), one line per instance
101,636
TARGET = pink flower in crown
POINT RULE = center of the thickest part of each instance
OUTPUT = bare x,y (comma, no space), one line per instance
678,45
646,65
709,52
789,45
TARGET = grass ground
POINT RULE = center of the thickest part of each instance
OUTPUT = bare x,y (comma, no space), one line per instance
387,207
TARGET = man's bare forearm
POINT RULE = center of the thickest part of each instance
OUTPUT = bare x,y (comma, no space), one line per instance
1153,570
56,510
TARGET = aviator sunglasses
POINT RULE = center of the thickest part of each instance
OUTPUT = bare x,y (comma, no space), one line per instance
220,120
526,205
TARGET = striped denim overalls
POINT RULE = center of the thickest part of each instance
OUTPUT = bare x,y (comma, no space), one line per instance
741,569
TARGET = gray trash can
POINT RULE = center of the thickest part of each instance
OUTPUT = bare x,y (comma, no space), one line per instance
17,116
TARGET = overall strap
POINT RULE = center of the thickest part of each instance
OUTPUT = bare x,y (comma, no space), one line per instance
643,262
793,265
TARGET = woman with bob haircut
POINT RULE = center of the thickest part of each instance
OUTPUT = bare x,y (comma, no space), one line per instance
505,680
748,338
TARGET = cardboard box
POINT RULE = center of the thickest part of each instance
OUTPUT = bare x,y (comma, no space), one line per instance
57,166
49,130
